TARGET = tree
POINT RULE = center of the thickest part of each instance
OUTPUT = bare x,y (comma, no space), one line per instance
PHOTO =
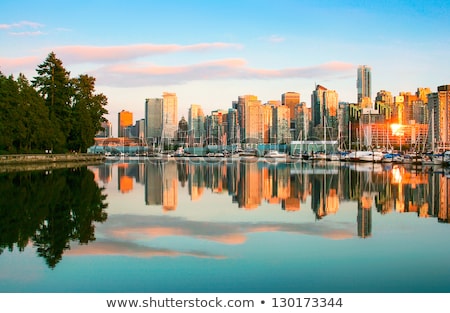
53,85
9,115
36,125
87,113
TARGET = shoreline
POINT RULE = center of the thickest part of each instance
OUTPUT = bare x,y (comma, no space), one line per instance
28,162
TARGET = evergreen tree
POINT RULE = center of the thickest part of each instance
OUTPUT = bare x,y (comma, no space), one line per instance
87,113
9,95
53,85
35,121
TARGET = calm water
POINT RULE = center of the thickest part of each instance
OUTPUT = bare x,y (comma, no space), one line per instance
184,226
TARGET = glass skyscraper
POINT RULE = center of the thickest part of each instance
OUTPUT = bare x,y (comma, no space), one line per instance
364,82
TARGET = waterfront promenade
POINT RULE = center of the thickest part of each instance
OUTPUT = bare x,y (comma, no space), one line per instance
11,162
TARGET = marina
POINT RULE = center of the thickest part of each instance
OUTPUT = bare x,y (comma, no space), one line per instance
170,225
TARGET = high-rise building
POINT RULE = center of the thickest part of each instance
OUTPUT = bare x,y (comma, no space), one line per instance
153,119
170,115
364,82
196,124
106,132
324,113
291,99
439,112
302,121
384,103
125,120
280,124
232,127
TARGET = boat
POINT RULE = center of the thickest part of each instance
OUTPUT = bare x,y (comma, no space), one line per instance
355,156
274,154
372,156
388,157
446,161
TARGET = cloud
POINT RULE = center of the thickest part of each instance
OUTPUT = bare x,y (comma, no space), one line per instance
36,33
14,65
274,39
22,24
134,74
122,53
108,247
126,233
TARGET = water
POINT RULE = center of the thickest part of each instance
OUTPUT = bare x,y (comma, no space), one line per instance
195,226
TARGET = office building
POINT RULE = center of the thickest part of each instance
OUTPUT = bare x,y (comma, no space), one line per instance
125,120
153,119
364,83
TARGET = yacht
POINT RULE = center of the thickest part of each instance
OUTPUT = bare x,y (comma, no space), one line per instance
274,154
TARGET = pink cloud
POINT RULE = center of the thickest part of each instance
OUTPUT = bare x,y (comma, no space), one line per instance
120,53
144,74
14,65
132,250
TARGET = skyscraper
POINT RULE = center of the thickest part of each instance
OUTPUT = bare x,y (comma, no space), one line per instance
364,83
439,110
196,124
125,120
170,115
291,99
153,119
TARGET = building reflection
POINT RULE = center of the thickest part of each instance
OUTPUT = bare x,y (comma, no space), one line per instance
384,189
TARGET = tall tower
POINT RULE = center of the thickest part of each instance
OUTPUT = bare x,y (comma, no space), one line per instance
170,115
364,83
439,111
196,124
125,120
291,99
153,119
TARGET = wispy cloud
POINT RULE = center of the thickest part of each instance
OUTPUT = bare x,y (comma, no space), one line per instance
36,33
23,28
122,53
22,24
134,74
125,233
274,38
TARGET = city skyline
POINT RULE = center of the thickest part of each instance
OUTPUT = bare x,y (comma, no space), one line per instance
210,53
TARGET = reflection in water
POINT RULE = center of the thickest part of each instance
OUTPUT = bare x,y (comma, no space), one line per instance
49,209
53,209
389,188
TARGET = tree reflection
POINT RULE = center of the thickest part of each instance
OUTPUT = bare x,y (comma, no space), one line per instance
50,209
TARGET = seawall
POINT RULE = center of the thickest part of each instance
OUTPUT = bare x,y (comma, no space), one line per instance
24,162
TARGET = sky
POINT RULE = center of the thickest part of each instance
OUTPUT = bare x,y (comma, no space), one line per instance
212,52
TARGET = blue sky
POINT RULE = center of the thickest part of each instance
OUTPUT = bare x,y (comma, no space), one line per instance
211,52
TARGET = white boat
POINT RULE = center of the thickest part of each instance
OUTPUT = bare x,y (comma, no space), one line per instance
372,156
274,154
355,156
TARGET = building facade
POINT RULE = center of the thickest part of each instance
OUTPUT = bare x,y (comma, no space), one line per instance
364,83
125,120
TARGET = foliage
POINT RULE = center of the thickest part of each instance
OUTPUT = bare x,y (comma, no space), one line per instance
55,112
